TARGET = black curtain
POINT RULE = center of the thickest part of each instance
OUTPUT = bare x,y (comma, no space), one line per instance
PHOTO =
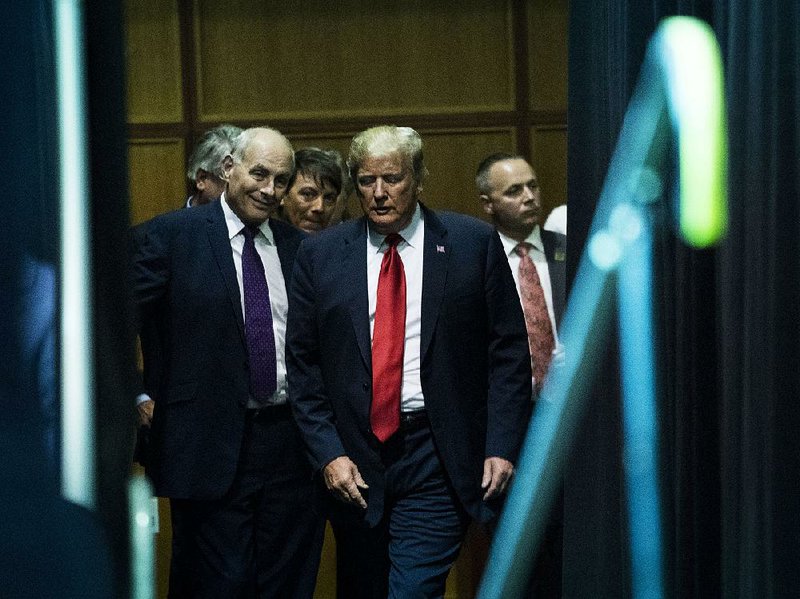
114,334
48,546
728,327
28,240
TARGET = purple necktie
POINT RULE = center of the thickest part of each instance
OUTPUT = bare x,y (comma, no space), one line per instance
258,322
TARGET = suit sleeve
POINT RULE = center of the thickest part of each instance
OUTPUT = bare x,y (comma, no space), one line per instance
307,395
150,267
509,396
150,274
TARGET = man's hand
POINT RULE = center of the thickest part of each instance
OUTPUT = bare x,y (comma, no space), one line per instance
146,412
344,481
497,473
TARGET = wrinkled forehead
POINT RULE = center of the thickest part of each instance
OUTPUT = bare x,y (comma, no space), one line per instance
510,172
392,162
270,150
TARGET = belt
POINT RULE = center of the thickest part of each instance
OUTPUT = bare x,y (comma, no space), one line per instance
413,418
272,411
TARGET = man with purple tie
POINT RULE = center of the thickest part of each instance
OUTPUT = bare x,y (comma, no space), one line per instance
225,448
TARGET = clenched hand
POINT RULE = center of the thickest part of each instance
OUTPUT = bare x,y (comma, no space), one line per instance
497,473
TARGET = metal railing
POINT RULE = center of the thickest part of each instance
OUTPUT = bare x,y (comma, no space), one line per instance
676,116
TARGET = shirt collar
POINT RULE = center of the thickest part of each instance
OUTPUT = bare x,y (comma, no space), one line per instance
534,238
413,233
235,224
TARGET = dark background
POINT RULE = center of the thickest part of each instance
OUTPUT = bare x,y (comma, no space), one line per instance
729,320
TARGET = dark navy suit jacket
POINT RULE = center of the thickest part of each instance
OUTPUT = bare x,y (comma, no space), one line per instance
475,365
555,250
185,286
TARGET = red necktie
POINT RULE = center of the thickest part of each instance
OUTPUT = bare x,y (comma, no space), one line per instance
388,343
537,320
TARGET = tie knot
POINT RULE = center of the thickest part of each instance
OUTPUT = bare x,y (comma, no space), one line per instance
249,232
523,248
392,239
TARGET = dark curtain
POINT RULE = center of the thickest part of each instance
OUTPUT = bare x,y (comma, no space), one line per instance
29,403
114,335
48,546
728,325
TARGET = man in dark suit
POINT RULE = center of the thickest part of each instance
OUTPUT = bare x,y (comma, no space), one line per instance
510,193
205,171
511,196
409,373
225,448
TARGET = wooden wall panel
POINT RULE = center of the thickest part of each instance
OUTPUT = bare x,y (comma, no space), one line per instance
332,141
326,576
156,175
452,158
269,59
547,49
549,160
466,574
153,58
163,542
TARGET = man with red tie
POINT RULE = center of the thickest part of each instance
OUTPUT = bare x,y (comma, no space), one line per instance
409,373
510,193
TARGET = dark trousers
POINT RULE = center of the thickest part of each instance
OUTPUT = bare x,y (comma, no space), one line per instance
408,555
264,537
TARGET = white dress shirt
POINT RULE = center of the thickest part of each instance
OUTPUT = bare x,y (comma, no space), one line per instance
268,252
557,220
411,251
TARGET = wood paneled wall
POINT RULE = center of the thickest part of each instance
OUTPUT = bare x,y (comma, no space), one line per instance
473,77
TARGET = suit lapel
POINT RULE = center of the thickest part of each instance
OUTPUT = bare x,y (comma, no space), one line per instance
221,248
286,250
435,258
556,265
353,277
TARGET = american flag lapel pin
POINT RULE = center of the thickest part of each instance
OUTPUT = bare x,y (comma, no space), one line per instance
440,249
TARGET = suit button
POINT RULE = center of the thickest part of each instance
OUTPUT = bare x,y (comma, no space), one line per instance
365,386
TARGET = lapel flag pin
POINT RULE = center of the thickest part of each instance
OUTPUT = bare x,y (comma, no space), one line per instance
440,249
